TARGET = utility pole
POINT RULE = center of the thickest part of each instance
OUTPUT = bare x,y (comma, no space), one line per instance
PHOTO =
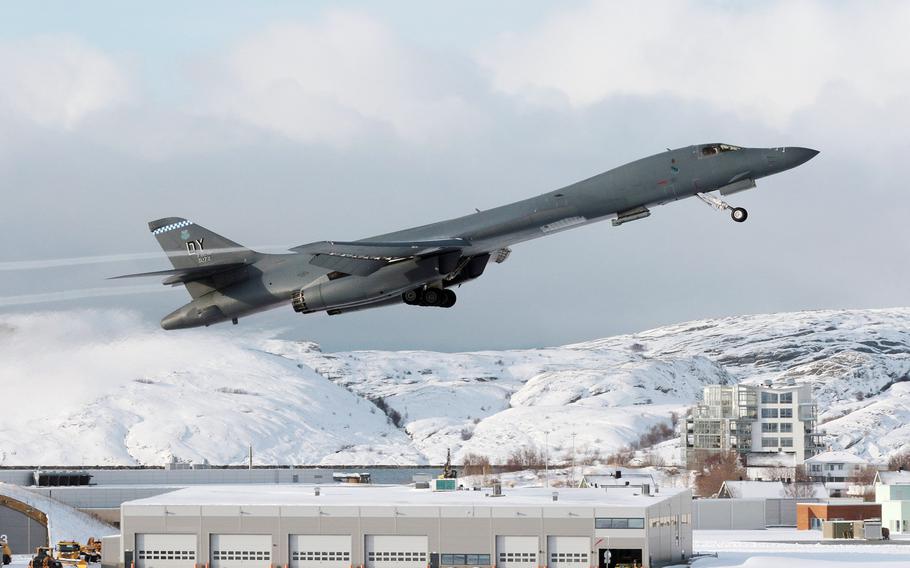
573,459
546,446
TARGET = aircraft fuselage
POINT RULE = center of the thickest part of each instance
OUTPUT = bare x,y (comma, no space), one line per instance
625,193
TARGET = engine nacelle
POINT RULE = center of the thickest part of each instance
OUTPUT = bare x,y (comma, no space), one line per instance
344,291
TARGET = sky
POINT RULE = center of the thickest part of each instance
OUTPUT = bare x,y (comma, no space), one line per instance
282,123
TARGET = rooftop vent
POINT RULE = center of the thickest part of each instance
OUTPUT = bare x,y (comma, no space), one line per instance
316,491
556,496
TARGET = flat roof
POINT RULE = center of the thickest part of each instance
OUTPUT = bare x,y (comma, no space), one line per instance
400,495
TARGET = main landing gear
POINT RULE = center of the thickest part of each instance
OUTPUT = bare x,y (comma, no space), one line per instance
738,214
438,297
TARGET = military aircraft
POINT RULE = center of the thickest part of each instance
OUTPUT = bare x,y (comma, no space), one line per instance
421,265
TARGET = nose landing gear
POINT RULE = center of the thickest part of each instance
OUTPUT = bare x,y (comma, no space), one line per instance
438,297
738,214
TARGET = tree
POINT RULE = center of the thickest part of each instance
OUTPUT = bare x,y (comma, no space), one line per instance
473,464
801,487
899,461
719,467
865,478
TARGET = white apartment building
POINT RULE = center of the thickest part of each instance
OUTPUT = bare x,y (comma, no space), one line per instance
754,420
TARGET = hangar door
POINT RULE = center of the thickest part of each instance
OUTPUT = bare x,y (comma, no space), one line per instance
568,551
241,550
320,551
395,551
165,550
516,551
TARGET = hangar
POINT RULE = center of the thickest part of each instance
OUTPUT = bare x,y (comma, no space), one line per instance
402,527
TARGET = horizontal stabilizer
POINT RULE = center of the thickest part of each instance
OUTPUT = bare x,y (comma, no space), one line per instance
184,275
362,258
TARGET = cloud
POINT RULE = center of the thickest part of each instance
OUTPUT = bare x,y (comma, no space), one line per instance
57,81
770,59
334,80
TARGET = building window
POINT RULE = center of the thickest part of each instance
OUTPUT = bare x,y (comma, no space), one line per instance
786,413
464,559
769,413
786,427
769,443
618,523
769,427
786,442
768,398
786,398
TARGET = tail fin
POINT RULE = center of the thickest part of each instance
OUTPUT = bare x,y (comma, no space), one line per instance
189,245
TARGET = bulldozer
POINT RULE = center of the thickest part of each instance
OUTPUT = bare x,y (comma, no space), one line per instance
44,558
91,551
69,553
69,550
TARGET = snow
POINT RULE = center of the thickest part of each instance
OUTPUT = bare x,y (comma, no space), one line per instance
64,522
785,548
397,495
837,457
143,395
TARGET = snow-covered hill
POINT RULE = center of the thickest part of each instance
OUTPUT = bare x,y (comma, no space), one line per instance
129,394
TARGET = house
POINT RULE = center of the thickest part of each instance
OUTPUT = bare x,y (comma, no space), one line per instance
892,492
811,516
835,466
619,478
771,490
753,420
771,467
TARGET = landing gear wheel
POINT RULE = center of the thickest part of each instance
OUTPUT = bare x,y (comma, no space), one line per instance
433,297
449,300
739,214
411,297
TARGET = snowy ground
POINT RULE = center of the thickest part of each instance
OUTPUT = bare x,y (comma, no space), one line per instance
776,548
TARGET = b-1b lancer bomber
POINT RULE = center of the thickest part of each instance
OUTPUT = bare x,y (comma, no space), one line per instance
421,266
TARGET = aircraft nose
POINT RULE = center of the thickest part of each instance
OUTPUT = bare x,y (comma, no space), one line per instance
789,157
798,155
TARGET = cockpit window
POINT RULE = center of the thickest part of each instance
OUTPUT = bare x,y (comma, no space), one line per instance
715,149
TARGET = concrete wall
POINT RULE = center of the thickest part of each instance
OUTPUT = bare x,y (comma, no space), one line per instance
102,497
780,512
24,534
184,476
728,514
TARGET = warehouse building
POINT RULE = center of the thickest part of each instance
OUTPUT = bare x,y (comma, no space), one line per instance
404,527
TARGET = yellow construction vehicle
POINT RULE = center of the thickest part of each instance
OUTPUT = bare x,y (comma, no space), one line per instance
44,558
69,553
7,552
91,551
68,550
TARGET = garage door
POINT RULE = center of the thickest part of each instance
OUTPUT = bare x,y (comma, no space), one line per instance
165,550
396,551
516,551
568,551
320,551
241,550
